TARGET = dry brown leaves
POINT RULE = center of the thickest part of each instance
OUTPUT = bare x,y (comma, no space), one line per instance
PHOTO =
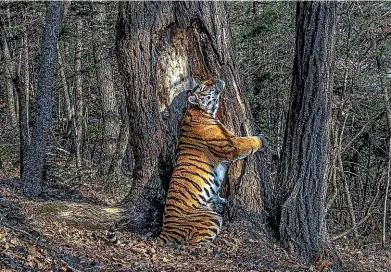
67,236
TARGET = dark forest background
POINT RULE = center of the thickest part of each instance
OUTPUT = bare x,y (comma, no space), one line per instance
93,142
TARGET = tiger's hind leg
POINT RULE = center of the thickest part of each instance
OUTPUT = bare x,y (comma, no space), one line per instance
175,230
206,224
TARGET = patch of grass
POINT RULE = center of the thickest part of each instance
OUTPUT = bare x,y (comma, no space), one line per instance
51,208
115,184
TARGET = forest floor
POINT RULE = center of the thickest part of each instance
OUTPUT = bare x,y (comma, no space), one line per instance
65,231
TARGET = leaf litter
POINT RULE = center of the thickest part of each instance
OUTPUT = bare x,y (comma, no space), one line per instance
70,235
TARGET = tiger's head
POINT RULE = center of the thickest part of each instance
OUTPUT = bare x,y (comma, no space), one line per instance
206,95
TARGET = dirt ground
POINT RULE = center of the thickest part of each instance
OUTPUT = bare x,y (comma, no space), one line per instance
65,231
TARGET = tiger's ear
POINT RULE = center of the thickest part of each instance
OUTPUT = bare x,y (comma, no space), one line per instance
193,100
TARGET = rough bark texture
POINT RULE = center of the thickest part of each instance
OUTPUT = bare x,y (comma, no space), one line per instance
302,184
35,156
111,118
162,47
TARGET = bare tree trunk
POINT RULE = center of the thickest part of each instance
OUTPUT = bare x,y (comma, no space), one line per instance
67,104
35,157
111,119
346,187
302,185
384,221
78,120
387,106
162,47
70,110
23,95
122,143
9,77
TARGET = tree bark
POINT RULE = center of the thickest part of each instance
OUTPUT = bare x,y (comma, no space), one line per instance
387,106
9,72
104,71
122,142
22,84
162,47
78,120
69,108
300,203
34,161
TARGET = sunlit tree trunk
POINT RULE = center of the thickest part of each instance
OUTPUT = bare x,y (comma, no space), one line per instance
33,167
162,47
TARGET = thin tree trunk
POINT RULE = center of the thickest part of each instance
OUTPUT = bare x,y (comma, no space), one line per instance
384,223
35,157
70,110
332,170
348,195
9,71
343,176
23,95
387,106
104,71
122,143
162,47
78,120
301,181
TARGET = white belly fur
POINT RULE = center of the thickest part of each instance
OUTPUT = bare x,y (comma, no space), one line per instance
220,172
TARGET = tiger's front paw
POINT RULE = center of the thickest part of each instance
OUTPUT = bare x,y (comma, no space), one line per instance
264,141
219,200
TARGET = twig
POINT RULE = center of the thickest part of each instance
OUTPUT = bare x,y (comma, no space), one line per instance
373,118
365,218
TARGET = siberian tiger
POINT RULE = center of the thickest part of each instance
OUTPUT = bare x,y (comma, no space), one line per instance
206,149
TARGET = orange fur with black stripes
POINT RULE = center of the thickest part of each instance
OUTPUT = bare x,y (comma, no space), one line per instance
206,149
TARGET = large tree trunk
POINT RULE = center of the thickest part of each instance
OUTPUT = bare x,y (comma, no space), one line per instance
34,161
104,71
301,177
162,47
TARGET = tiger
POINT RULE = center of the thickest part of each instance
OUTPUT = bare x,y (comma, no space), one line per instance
206,149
